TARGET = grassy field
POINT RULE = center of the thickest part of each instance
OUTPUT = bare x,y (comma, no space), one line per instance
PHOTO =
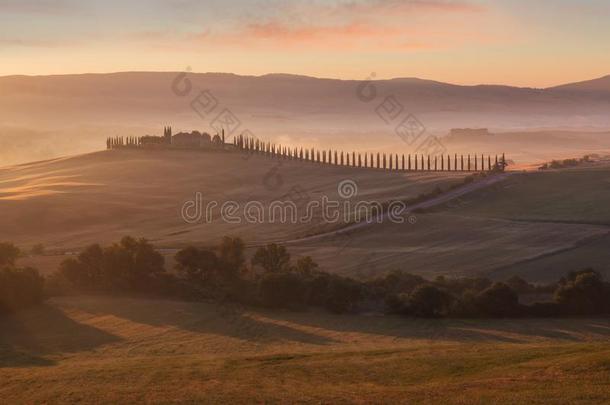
579,195
125,350
537,225
444,244
100,197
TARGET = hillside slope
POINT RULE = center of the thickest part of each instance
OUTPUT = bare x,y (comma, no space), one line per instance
109,350
70,202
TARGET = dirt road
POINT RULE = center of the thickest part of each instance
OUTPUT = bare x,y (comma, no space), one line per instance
441,199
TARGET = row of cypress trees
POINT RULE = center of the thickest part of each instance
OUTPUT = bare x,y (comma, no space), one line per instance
340,158
118,141
372,160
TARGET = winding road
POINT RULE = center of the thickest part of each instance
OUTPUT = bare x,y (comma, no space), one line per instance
441,199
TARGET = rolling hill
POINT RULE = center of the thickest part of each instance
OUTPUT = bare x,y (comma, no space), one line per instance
109,350
69,203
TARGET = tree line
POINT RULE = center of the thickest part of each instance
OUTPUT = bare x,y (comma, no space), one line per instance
373,160
378,160
273,278
20,287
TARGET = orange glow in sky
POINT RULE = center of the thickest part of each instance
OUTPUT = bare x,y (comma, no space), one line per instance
465,42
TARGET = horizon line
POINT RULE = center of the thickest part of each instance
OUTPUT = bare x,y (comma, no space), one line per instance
301,76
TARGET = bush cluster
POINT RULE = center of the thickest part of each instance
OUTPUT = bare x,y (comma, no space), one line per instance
19,287
272,278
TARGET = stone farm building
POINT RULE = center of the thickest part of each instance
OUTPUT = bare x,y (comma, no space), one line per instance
194,139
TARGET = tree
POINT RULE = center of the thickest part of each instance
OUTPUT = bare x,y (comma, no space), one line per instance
20,288
273,258
342,294
130,265
429,301
282,290
232,256
86,271
38,249
198,264
519,285
499,300
583,293
305,266
9,254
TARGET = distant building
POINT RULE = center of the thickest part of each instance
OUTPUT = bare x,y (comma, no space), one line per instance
469,133
194,139
187,140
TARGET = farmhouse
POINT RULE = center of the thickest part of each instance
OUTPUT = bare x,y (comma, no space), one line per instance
469,133
193,139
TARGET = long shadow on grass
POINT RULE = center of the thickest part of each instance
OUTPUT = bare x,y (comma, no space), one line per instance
28,336
229,320
456,330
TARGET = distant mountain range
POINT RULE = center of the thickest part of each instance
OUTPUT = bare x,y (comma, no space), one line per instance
72,113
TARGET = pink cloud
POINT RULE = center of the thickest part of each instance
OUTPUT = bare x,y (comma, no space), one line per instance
371,25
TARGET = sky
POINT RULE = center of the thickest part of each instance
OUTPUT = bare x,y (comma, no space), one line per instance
515,42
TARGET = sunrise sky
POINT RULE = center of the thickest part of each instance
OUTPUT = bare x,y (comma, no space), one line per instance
527,43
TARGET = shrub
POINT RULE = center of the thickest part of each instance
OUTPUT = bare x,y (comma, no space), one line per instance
429,301
9,254
38,249
583,293
519,285
273,258
199,265
232,257
499,300
20,288
282,290
306,266
130,265
342,294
